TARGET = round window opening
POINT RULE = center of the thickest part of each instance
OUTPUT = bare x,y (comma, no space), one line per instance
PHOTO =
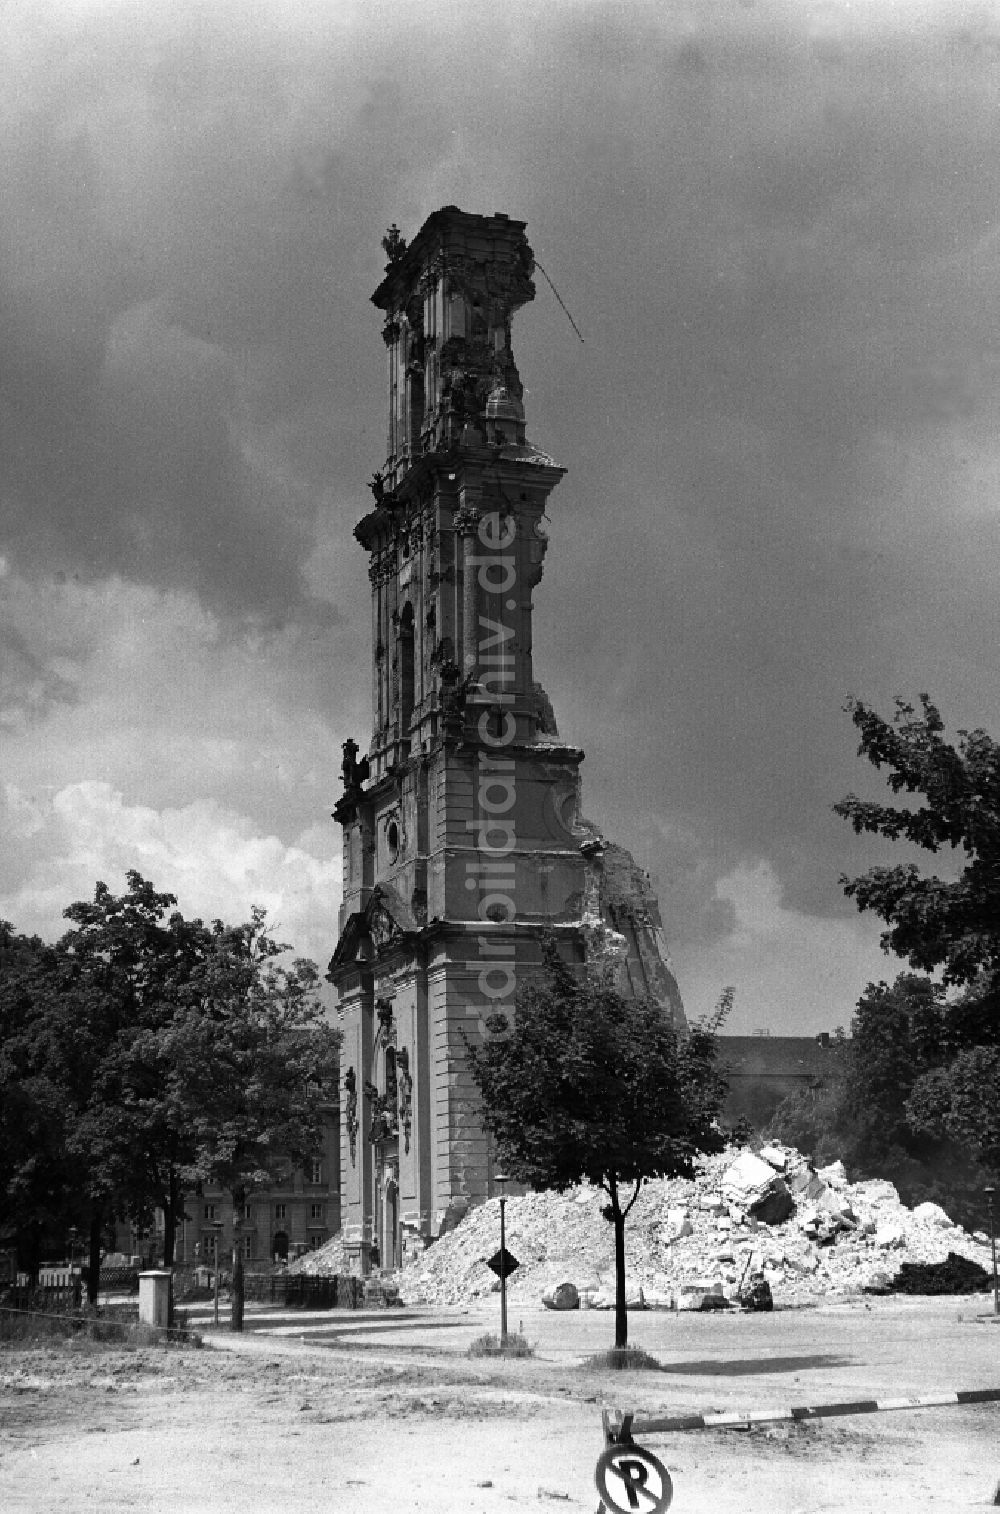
392,840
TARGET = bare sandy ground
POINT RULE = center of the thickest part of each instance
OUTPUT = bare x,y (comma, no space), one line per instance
398,1418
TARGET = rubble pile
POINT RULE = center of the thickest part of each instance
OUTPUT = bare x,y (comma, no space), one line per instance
329,1260
811,1233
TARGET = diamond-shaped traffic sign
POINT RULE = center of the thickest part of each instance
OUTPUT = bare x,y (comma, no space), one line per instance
503,1263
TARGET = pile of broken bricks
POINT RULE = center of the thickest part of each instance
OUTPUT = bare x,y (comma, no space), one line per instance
812,1234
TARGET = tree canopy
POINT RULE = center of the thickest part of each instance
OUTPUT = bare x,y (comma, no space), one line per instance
933,923
55,1027
926,1054
146,1053
908,1100
586,1083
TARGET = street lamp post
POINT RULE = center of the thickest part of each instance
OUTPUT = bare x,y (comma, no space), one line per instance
217,1232
77,1290
501,1179
993,1247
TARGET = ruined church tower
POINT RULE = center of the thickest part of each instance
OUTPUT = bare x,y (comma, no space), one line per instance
462,833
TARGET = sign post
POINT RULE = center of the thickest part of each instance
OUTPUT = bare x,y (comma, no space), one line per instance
502,1262
503,1180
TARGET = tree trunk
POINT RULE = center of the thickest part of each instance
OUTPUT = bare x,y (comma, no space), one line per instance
94,1257
171,1209
236,1307
621,1313
170,1228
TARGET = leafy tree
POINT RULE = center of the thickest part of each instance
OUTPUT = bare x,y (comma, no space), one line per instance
55,1027
933,923
146,968
899,1033
251,1068
938,1091
145,1054
586,1083
960,1103
885,1110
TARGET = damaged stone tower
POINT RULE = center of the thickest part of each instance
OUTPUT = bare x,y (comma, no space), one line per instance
462,831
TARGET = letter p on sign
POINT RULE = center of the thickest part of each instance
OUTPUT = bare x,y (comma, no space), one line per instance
630,1480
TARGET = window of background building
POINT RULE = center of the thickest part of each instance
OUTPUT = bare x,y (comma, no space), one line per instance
316,1211
279,1211
248,1248
248,1211
316,1170
209,1211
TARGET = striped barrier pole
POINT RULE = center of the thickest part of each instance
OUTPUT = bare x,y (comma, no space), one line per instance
620,1429
626,1470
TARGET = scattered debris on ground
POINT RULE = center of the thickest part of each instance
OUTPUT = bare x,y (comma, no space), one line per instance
808,1234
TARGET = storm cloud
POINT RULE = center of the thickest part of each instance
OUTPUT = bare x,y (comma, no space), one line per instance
775,226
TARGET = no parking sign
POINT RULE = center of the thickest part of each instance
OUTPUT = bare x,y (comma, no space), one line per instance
630,1480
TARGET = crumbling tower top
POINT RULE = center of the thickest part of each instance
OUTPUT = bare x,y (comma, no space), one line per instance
449,298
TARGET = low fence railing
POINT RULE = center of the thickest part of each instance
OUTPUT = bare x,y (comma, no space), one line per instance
296,1291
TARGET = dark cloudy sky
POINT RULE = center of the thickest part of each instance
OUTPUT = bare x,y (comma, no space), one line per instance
777,227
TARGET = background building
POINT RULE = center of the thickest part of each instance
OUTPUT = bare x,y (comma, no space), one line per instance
763,1070
296,1214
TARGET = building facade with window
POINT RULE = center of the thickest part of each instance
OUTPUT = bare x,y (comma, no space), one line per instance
297,1214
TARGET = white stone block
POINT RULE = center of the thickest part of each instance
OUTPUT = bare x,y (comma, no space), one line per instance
932,1214
154,1298
889,1236
677,1225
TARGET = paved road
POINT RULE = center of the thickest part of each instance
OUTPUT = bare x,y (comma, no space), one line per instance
726,1360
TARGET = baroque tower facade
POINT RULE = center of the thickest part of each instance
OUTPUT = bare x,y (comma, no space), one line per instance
463,838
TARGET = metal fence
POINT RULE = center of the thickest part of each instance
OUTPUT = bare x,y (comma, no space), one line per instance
291,1290
65,1289
297,1291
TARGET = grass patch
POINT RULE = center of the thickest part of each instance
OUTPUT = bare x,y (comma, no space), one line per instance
21,1327
492,1345
625,1359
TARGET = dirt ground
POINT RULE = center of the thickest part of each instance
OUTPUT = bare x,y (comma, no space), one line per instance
350,1413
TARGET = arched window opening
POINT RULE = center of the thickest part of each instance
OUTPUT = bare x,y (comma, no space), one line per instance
390,1078
406,669
416,417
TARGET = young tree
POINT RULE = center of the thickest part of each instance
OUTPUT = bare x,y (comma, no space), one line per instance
933,923
586,1083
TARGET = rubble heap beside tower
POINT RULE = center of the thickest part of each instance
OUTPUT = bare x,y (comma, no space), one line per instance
462,832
